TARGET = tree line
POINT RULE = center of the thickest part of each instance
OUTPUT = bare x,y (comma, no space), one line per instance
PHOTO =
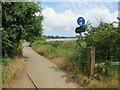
57,37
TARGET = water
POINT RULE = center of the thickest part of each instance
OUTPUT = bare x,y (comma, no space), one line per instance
62,39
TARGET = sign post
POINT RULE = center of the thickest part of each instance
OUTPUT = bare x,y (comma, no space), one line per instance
81,28
81,21
90,51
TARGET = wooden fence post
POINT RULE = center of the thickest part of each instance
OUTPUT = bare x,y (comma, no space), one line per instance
90,61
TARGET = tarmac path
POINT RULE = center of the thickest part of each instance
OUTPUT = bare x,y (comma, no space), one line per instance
43,72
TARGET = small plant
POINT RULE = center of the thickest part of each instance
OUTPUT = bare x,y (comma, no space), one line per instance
107,68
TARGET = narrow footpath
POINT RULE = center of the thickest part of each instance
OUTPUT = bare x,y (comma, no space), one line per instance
43,72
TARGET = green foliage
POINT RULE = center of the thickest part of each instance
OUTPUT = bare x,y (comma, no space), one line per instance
105,38
5,74
107,68
53,49
19,22
107,71
81,60
44,49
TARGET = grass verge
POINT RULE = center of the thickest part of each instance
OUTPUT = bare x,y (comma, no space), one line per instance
11,70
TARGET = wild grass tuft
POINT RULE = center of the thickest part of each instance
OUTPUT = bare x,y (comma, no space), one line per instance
11,70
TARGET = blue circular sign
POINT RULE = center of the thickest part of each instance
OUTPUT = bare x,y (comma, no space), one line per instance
81,21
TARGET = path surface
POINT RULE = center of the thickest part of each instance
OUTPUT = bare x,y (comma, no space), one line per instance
23,82
44,73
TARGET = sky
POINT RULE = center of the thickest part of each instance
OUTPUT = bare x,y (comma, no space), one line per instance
60,18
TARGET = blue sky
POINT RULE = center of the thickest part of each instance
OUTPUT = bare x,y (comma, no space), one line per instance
60,17
60,7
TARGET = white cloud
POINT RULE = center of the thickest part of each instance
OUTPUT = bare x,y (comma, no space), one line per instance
63,21
67,20
76,0
97,14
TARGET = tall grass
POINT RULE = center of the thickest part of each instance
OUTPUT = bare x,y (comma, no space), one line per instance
12,66
11,70
53,49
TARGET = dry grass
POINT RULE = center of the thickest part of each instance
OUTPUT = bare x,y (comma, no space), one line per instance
58,61
104,84
14,69
84,81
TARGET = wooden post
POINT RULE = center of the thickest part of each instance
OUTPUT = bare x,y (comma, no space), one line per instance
90,61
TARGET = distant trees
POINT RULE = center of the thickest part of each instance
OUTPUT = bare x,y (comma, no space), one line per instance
19,22
57,37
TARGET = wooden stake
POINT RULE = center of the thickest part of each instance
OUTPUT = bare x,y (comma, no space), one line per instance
91,61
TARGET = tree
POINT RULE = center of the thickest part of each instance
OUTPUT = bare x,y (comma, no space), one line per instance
19,21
